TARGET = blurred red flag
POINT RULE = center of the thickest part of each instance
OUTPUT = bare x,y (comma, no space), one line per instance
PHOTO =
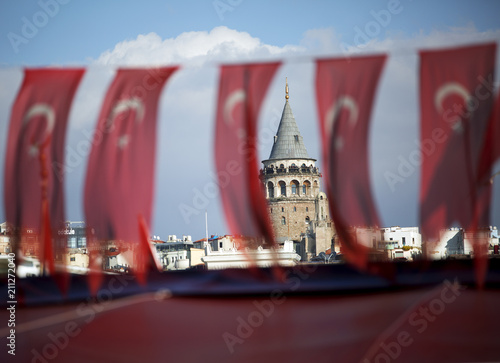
120,171
491,150
345,90
455,101
241,91
34,165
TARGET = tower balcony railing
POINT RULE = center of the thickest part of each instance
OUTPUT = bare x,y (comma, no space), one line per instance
290,170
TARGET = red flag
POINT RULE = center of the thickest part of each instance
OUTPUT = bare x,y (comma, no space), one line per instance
345,90
34,194
455,107
120,172
491,150
241,91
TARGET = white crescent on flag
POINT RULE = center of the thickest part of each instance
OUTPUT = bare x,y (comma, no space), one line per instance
332,114
45,110
236,97
232,101
133,103
447,89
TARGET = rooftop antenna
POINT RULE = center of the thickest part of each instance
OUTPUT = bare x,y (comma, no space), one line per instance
206,226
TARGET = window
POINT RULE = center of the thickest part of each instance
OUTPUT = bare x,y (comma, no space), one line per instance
307,209
295,187
306,187
72,258
295,209
271,211
72,242
270,189
282,188
220,244
403,239
308,220
82,242
283,220
282,209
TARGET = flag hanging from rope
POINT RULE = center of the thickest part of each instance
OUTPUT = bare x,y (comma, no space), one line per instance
120,171
345,91
34,165
242,89
455,109
491,150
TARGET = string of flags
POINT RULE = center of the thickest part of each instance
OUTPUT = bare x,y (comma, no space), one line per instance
460,116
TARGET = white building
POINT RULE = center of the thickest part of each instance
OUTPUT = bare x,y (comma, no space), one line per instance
402,236
177,253
369,237
488,236
456,241
285,256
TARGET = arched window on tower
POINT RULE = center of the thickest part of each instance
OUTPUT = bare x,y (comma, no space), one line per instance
282,188
270,189
283,220
306,187
308,220
295,187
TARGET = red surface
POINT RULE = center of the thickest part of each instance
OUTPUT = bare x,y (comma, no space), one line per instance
439,324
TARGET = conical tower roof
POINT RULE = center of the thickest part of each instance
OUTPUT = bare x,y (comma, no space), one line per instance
288,143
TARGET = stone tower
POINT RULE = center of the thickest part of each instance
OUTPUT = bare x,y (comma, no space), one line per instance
298,210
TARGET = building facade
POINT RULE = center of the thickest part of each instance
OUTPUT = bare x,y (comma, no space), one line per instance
297,207
402,236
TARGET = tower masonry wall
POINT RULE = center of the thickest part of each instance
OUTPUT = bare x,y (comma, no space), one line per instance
296,212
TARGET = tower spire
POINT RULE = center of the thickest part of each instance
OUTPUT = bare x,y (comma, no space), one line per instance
286,88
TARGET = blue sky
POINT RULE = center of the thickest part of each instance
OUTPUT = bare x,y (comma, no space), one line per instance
199,35
82,29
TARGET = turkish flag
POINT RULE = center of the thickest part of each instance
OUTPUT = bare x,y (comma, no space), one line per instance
345,91
34,165
120,171
241,91
491,150
455,109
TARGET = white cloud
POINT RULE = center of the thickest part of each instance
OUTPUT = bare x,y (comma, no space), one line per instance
221,43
